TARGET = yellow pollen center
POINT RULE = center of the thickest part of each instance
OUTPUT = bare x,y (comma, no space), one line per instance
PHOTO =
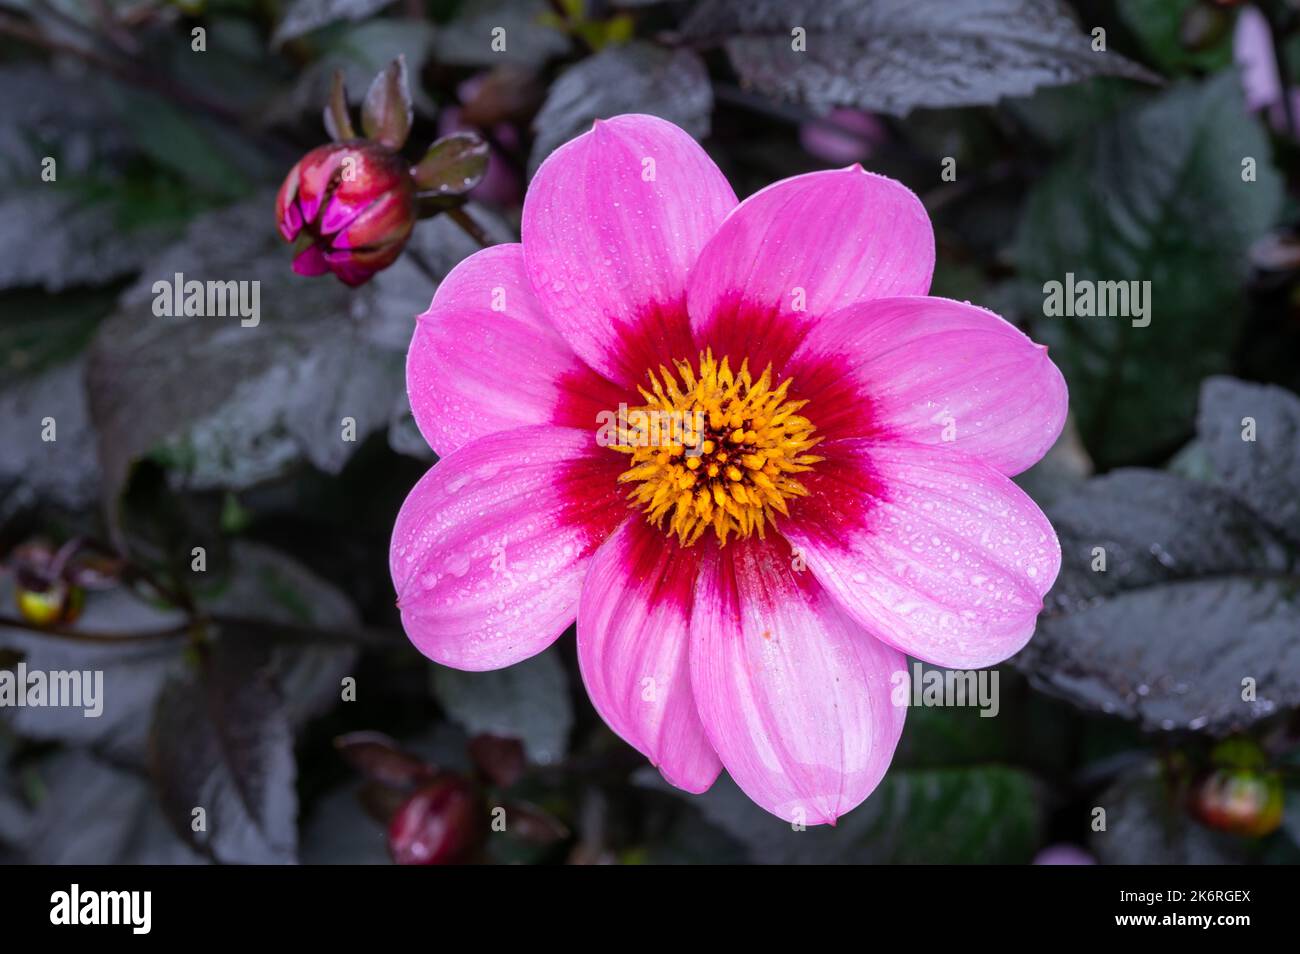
715,448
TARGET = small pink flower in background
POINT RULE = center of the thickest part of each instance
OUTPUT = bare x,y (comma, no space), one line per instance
1064,854
353,204
843,136
1256,58
744,592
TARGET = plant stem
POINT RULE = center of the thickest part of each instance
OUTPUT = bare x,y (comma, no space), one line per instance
471,228
90,636
287,632
419,261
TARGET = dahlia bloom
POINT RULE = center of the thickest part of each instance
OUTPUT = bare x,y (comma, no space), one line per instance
837,493
351,206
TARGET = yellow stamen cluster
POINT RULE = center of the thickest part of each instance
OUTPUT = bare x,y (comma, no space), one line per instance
715,448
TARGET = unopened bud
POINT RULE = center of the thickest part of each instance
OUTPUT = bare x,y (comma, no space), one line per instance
1239,800
351,208
440,824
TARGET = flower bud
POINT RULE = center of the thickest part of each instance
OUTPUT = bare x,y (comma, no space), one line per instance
55,604
43,592
440,824
351,208
1239,800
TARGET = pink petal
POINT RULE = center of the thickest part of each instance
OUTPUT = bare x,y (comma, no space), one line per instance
633,639
387,219
292,223
288,216
310,261
337,214
315,175
931,551
484,358
490,548
795,697
801,249
612,223
843,135
357,266
1063,854
1252,48
932,371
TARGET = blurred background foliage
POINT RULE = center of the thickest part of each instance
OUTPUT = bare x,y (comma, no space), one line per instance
275,686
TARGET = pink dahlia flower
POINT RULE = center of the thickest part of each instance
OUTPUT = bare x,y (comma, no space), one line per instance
745,587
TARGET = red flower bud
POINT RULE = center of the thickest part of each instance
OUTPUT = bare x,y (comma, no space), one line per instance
354,202
1239,800
438,825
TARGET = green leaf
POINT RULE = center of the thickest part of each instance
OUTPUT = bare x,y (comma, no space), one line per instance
231,401
116,813
453,165
1147,825
985,814
222,741
48,114
340,832
470,39
895,55
1021,728
1157,195
1197,595
386,113
1059,114
271,588
338,123
637,78
304,16
60,237
82,200
42,370
208,157
1181,35
528,701
688,839
1264,472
